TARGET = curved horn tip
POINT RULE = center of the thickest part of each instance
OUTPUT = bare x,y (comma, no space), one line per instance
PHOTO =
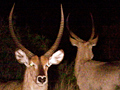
13,6
67,25
12,10
92,17
61,8
61,5
67,17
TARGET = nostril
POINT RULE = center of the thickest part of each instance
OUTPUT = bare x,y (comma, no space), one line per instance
41,79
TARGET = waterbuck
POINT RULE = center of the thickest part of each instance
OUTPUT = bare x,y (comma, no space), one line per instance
91,74
35,77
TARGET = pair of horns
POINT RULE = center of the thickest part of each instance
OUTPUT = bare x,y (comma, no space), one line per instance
75,36
29,53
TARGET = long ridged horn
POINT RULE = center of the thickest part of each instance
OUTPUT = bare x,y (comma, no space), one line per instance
18,44
93,28
71,33
59,36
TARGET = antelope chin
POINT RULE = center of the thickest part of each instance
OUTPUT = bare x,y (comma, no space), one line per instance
41,85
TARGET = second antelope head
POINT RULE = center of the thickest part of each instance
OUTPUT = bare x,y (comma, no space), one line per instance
84,47
37,67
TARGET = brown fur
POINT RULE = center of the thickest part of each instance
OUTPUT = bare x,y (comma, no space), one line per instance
91,74
35,77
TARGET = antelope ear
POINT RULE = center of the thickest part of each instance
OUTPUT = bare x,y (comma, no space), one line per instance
56,58
73,42
94,41
22,57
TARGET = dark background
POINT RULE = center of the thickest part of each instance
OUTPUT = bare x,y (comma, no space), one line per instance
43,18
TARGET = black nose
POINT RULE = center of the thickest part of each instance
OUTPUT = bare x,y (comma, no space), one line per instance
41,79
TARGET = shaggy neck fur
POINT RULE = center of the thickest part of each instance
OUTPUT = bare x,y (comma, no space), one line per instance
29,84
79,62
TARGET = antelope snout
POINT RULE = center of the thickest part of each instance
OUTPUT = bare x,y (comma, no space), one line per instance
41,79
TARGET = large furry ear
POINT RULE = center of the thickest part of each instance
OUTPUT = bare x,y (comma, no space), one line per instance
94,41
73,42
56,58
22,57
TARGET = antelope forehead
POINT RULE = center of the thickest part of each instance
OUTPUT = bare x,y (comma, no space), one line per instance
43,60
82,46
35,59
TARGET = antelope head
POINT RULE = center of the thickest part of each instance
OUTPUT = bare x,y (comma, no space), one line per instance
84,47
37,67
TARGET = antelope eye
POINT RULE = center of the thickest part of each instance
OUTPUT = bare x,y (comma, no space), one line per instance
32,64
47,65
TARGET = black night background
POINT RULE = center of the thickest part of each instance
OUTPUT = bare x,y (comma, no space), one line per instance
37,23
